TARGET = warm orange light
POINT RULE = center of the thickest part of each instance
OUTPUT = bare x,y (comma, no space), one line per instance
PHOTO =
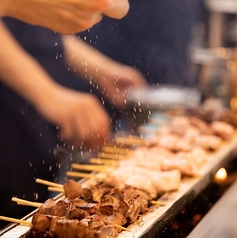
231,65
221,175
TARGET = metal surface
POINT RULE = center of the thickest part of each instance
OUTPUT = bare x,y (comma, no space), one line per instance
218,57
223,6
163,97
217,72
151,223
220,221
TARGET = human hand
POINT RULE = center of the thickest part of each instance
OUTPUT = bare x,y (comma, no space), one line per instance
65,16
80,116
119,80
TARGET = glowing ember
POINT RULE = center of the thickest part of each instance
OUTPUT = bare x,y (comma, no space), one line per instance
220,175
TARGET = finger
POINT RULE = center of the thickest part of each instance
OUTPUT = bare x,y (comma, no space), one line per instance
117,9
67,132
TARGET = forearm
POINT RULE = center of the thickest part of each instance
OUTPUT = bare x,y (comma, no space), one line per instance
88,62
20,71
11,8
3,8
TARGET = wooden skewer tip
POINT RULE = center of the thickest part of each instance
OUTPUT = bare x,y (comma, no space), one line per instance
14,220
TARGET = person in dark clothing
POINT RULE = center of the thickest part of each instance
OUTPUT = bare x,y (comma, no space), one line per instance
29,137
154,37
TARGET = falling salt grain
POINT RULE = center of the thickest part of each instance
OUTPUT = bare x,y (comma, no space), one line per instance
50,168
36,196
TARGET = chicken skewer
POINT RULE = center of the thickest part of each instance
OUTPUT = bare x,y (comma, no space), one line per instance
71,189
153,182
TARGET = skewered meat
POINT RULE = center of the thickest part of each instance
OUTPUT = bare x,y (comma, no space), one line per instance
142,181
77,213
179,124
197,155
153,182
201,125
149,158
95,220
133,193
54,208
208,142
184,134
111,203
81,229
99,191
59,227
42,222
153,169
222,129
72,189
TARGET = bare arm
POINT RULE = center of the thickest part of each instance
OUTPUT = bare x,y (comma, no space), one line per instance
112,77
74,112
65,16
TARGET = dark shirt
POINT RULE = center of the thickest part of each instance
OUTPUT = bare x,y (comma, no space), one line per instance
27,140
154,37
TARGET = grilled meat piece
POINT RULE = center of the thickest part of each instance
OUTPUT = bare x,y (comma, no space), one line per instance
133,193
41,222
66,228
81,229
115,218
99,191
111,203
77,213
51,207
59,227
91,208
222,129
72,189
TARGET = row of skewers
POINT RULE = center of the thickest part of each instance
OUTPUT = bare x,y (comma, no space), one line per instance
158,163
129,180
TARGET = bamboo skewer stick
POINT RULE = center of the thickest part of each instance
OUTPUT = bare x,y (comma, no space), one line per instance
111,156
14,220
91,167
25,202
103,161
83,175
102,176
136,141
48,183
55,189
120,227
27,223
159,203
112,149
